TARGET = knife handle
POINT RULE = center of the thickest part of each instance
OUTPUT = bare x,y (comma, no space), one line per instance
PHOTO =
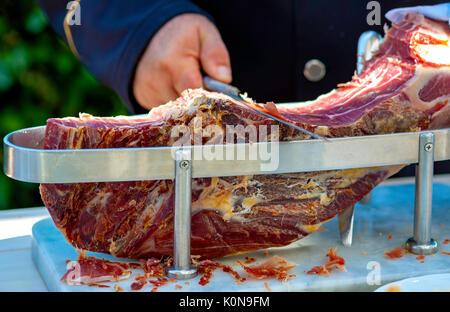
218,86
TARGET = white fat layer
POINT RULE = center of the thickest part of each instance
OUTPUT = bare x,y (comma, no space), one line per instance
435,53
86,280
421,78
76,277
190,104
100,199
311,228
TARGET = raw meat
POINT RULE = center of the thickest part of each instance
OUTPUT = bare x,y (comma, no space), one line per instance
91,270
334,262
405,87
273,267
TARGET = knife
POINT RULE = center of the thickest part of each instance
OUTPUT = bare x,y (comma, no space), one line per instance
345,221
233,92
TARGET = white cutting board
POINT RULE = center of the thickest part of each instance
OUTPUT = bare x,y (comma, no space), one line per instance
389,213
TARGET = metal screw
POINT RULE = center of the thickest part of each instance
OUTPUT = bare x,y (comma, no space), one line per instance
428,147
184,164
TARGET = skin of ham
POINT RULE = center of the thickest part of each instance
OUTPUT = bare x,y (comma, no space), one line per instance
404,87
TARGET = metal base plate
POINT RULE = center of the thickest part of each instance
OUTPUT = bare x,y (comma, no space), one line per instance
422,249
181,274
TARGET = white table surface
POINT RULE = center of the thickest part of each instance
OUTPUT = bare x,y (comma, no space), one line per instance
17,270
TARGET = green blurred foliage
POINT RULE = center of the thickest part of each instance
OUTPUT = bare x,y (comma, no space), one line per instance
40,78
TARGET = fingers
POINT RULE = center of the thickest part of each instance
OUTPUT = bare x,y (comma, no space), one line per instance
153,88
187,75
214,56
174,57
153,97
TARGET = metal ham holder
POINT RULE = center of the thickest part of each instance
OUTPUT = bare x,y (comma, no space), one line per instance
26,160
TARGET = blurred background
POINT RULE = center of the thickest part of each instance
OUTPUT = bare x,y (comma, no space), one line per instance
40,78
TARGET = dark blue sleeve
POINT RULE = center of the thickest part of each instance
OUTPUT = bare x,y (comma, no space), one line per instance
114,33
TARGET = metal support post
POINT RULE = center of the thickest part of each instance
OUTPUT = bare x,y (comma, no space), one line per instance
422,243
182,268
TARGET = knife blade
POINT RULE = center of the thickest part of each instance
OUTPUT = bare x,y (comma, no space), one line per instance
345,221
233,92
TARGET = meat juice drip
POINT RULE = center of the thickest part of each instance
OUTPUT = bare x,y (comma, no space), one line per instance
396,253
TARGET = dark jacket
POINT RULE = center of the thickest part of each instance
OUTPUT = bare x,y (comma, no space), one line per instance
269,41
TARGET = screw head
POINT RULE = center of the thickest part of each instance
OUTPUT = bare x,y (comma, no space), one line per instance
184,164
428,147
314,70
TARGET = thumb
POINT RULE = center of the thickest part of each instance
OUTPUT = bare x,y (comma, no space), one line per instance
214,56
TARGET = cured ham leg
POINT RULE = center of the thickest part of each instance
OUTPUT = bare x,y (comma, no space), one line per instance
405,87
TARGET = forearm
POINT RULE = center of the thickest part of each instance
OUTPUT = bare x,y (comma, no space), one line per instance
113,34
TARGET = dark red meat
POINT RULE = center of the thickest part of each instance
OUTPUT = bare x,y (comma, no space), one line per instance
405,87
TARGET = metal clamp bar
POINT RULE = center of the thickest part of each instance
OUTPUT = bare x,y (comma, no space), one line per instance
25,160
182,215
422,243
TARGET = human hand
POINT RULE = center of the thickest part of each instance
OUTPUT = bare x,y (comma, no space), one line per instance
440,12
173,60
